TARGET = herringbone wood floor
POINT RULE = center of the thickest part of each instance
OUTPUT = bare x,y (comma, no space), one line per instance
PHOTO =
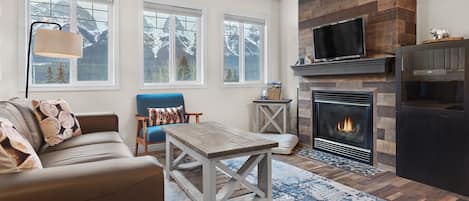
386,185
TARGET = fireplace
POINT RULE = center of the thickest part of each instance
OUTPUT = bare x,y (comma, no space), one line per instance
343,124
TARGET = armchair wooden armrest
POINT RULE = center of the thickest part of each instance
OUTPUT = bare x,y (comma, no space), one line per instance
193,114
141,118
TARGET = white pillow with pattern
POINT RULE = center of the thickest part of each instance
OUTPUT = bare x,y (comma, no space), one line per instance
16,154
57,121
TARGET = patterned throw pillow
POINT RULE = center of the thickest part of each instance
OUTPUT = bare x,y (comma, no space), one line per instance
162,116
16,154
57,121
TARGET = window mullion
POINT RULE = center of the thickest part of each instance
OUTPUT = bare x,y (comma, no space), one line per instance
111,46
199,51
241,53
73,71
263,62
172,49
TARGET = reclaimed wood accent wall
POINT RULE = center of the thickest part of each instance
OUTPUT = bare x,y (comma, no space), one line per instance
389,23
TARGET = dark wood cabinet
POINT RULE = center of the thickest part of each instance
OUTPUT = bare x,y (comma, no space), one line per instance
433,114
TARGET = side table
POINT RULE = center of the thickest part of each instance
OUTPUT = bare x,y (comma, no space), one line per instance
267,112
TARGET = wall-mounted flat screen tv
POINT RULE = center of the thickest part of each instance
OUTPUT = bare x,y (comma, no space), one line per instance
340,40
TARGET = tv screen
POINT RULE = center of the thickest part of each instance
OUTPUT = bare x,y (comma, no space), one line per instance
343,40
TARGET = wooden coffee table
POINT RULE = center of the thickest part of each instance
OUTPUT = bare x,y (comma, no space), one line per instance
211,142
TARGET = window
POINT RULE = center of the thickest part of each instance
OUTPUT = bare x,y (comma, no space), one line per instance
243,55
92,19
172,45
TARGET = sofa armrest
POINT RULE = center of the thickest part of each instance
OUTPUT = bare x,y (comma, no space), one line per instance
117,180
91,123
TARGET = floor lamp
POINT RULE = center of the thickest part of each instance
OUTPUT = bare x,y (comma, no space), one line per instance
53,43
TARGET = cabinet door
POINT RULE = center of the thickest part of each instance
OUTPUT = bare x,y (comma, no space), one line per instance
416,141
449,162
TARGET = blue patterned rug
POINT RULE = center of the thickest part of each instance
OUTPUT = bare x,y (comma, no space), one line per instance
340,162
291,184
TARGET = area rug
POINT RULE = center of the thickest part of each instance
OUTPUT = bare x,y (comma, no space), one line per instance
290,184
340,162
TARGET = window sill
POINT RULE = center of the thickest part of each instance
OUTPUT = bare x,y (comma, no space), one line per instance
156,86
70,88
244,85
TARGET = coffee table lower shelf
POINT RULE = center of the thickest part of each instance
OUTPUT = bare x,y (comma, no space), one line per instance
262,159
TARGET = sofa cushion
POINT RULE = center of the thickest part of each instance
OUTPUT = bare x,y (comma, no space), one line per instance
85,154
154,134
56,119
10,112
16,154
162,116
26,109
88,139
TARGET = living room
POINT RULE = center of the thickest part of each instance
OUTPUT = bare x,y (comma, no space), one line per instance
257,102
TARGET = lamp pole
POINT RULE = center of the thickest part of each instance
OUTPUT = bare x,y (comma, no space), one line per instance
29,50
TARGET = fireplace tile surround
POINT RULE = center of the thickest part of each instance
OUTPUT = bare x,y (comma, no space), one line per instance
384,121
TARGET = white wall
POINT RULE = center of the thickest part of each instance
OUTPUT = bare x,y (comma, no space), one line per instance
452,15
231,106
289,52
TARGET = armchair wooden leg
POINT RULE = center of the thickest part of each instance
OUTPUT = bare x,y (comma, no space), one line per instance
136,149
146,148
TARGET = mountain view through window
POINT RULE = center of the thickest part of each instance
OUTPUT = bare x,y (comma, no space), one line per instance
170,45
242,52
92,24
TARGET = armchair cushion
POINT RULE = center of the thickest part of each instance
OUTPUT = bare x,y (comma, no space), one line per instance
155,134
145,101
162,116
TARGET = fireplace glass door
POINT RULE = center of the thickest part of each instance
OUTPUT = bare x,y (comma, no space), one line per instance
348,124
343,124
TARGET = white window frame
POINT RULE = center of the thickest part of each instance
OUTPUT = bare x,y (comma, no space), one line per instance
166,5
243,18
73,85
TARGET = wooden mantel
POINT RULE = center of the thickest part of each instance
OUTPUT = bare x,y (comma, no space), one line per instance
346,67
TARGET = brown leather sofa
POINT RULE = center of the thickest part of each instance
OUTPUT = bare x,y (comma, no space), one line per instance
96,166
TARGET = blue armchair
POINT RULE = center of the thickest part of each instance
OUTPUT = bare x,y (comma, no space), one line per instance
154,135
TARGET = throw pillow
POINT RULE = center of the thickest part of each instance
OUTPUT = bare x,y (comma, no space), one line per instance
162,116
16,154
56,119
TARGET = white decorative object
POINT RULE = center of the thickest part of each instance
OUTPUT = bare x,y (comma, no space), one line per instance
286,142
439,33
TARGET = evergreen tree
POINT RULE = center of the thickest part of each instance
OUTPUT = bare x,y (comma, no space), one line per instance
184,72
50,77
61,74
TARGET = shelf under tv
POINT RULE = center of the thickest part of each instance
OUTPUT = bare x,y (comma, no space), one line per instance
346,67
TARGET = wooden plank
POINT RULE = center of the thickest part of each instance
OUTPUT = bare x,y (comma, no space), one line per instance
211,139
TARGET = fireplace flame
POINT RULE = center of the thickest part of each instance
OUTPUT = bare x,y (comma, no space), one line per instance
346,125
